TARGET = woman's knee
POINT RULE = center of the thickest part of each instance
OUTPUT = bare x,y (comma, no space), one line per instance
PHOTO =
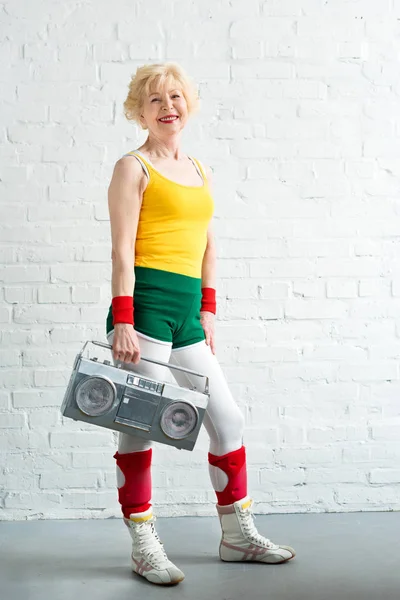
234,424
226,434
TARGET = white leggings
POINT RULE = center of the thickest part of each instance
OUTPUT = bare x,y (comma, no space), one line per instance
223,420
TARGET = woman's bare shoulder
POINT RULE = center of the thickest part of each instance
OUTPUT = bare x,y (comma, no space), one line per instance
129,165
128,171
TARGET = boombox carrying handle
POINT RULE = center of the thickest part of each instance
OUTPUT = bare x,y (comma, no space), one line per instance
157,362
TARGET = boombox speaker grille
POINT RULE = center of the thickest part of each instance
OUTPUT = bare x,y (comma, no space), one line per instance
95,396
179,419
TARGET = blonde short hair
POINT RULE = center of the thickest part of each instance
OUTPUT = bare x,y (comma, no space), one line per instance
158,75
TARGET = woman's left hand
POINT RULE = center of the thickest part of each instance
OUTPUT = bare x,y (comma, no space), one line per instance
207,320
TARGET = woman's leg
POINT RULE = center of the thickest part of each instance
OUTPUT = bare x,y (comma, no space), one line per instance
227,463
134,481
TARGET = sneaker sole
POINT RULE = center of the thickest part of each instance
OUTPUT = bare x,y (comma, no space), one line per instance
166,583
279,562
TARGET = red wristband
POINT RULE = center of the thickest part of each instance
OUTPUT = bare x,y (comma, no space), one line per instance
122,309
208,301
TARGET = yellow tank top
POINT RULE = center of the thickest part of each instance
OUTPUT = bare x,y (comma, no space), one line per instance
173,222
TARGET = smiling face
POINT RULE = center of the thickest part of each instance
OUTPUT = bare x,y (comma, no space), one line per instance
165,110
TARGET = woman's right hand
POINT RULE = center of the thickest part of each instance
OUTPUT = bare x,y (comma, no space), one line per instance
125,346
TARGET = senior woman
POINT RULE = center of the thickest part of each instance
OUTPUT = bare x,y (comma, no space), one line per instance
163,306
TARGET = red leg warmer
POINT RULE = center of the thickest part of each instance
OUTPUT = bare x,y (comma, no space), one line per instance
135,495
234,465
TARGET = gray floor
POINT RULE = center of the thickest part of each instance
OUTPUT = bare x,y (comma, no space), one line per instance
347,556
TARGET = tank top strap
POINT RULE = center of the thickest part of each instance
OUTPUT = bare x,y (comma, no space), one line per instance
146,164
200,167
138,155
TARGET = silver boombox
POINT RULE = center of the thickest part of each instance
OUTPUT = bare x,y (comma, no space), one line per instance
112,397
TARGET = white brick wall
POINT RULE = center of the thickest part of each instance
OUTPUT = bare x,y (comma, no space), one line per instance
301,124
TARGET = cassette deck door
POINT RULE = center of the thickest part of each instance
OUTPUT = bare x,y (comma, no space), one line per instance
137,409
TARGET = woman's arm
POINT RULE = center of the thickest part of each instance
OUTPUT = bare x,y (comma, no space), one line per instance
124,200
209,284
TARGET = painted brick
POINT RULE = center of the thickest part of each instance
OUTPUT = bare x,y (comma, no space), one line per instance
299,123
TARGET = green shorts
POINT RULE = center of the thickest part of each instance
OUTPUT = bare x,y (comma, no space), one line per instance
166,307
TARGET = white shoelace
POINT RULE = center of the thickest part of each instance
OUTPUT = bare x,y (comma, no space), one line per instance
148,541
246,518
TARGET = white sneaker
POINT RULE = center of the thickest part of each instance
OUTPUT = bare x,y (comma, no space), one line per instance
148,555
241,540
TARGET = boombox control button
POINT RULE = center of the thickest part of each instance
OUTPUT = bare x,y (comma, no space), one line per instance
106,362
147,385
